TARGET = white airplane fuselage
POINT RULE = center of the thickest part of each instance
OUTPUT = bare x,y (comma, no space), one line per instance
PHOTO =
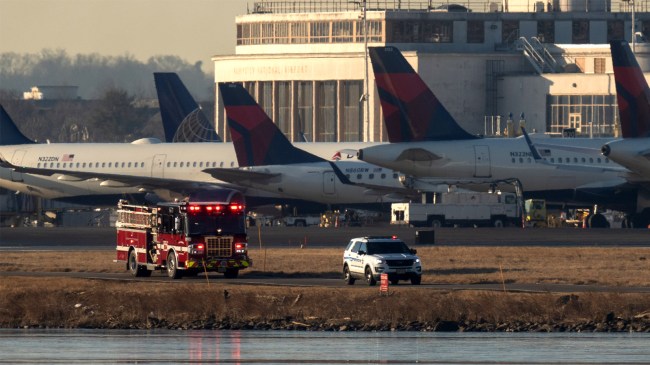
133,163
500,158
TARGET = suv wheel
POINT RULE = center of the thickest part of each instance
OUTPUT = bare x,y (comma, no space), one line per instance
415,280
369,278
347,276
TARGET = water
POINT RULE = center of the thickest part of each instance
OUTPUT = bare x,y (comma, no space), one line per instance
293,347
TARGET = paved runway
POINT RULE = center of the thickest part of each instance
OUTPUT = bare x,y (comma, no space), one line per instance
98,238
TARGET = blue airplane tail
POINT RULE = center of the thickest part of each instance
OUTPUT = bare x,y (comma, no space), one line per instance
183,120
632,92
9,132
258,141
411,111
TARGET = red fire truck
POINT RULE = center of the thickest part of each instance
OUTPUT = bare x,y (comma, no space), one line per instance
186,237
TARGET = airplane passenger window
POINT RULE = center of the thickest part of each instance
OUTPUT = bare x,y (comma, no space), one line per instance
129,165
194,164
232,164
214,163
394,175
110,164
521,160
64,164
200,164
221,164
188,164
181,165
78,164
57,165
552,160
513,160
141,164
103,164
575,160
51,164
83,165
584,160
591,160
529,160
168,164
559,160
38,165
606,160
383,176
122,164
358,176
174,163
371,176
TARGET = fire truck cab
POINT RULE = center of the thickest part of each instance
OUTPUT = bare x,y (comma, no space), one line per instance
185,237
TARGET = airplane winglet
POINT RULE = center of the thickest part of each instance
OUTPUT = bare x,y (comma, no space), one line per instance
411,111
632,92
183,120
9,132
257,140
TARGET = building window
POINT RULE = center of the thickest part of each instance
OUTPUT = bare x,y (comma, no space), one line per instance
375,31
588,114
546,31
305,109
439,31
475,31
266,97
509,31
283,119
580,32
342,32
615,30
599,65
320,32
299,33
352,116
326,111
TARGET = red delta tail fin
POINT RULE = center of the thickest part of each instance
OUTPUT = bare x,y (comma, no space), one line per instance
411,111
632,92
258,141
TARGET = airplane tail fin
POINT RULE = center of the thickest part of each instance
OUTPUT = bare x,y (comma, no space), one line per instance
9,132
411,111
183,120
258,141
632,92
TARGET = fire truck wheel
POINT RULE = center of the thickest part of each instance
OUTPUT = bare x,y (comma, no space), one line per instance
172,266
231,273
135,269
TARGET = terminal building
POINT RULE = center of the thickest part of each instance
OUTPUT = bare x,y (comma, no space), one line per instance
305,62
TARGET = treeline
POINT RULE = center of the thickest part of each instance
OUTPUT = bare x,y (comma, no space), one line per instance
117,98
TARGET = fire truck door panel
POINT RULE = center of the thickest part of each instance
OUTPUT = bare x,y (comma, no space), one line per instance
158,166
17,160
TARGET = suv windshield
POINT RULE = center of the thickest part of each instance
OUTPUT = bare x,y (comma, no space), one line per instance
387,247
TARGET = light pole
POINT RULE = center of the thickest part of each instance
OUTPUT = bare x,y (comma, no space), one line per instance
366,90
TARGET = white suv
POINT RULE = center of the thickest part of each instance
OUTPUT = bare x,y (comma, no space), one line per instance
369,257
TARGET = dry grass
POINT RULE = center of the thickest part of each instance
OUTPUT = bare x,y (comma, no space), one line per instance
69,302
615,266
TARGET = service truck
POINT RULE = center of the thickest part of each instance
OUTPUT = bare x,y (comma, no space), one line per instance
184,237
464,208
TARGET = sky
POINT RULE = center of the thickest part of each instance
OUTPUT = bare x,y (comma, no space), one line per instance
194,30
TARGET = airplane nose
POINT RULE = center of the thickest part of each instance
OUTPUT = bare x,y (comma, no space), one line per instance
605,150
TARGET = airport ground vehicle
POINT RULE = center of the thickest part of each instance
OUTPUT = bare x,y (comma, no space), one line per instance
301,221
185,237
369,257
535,212
460,208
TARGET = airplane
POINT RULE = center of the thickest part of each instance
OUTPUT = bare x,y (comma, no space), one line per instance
633,151
427,143
83,172
268,161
